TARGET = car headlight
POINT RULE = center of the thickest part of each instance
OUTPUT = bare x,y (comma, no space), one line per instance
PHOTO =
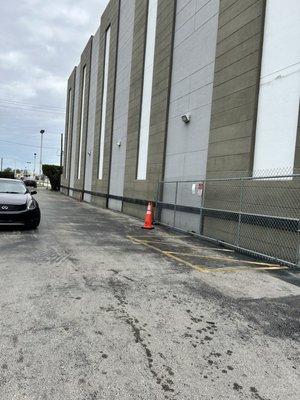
31,205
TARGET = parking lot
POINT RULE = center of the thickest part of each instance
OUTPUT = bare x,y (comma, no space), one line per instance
93,307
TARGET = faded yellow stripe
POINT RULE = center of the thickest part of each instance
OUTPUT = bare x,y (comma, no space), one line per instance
231,259
202,268
196,267
244,268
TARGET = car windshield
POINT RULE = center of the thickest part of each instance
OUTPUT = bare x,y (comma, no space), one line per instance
15,187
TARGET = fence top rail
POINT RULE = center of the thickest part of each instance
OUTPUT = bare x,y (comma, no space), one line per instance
297,219
242,178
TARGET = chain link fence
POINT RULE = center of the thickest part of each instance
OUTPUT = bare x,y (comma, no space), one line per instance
259,215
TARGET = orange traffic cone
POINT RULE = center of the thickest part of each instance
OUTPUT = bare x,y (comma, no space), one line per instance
148,224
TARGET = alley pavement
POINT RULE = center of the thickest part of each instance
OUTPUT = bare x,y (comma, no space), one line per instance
92,307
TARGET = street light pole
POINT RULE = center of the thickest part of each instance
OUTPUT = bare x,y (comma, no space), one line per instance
61,148
42,131
28,163
34,163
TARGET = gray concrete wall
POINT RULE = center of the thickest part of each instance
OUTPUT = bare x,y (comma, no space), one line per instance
236,83
119,134
91,117
85,62
74,132
194,50
146,189
110,18
69,124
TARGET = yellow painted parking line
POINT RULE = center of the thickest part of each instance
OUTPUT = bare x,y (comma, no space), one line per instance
202,268
241,268
229,259
150,238
215,249
144,237
155,241
201,255
177,236
272,267
196,249
178,259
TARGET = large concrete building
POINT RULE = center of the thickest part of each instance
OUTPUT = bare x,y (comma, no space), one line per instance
183,90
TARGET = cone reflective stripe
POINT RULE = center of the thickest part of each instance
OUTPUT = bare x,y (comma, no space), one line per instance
148,224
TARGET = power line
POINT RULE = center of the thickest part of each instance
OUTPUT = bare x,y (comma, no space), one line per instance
28,145
283,69
31,105
27,132
31,109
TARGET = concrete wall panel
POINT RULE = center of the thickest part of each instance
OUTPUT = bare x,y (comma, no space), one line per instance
191,89
82,118
91,117
109,19
75,132
119,135
69,125
235,93
146,189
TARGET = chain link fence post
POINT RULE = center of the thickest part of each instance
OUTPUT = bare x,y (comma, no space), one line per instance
201,226
157,211
240,213
298,245
175,204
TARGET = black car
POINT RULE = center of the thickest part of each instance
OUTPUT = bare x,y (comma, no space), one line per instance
17,205
31,182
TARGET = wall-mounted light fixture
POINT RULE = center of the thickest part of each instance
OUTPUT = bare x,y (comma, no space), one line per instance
186,118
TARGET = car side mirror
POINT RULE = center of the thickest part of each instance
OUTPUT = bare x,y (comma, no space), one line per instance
33,192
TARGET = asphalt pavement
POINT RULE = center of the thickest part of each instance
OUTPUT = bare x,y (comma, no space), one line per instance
93,307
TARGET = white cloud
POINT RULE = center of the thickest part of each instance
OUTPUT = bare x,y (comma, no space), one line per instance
41,41
17,90
12,59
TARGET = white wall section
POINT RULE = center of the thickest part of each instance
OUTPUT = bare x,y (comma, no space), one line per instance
74,133
81,121
104,102
69,133
279,94
147,90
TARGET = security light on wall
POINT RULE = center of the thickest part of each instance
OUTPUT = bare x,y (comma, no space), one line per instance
186,118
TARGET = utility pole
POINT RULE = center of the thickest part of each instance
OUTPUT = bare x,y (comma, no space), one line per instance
28,163
1,164
61,148
42,131
34,163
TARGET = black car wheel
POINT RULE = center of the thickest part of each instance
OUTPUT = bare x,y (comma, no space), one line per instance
34,222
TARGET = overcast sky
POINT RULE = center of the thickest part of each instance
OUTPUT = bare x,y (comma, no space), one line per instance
41,41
